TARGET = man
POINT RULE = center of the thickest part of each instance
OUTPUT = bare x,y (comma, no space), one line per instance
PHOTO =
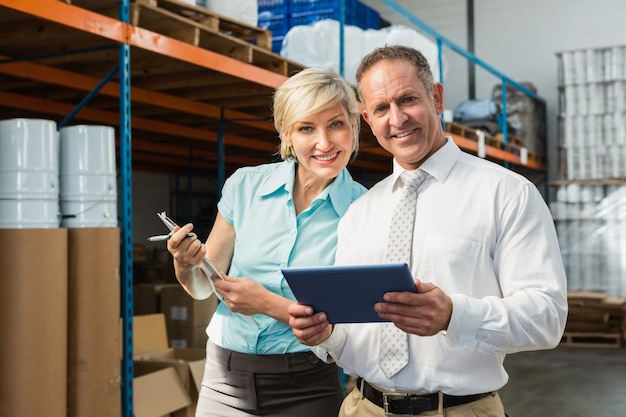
484,254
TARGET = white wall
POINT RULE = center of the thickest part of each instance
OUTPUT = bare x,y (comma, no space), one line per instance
520,38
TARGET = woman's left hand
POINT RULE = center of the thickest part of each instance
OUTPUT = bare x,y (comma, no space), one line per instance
242,295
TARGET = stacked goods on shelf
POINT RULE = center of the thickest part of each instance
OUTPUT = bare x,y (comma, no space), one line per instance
301,44
63,327
595,319
274,16
523,116
278,16
242,10
590,209
186,318
592,121
591,227
50,179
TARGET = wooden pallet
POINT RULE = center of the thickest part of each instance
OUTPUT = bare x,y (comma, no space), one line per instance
514,145
214,22
210,31
496,141
592,340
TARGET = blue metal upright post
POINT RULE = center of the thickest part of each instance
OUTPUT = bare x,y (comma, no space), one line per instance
342,23
504,124
126,195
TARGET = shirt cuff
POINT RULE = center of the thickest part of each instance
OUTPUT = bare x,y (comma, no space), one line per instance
332,345
467,317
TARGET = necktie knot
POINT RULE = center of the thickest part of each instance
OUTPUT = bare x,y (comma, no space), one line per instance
412,179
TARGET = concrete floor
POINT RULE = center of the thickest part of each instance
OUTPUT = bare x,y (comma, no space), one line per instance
566,382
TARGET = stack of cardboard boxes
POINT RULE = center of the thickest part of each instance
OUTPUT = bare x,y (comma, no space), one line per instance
167,380
169,346
186,318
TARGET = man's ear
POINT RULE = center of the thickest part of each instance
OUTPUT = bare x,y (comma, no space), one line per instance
438,97
365,117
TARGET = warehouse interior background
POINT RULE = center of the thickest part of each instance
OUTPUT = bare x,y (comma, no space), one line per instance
519,38
531,42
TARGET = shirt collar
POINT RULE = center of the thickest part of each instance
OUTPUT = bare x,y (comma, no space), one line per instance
438,165
339,191
282,177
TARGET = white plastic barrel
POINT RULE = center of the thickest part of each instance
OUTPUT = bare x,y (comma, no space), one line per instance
29,174
88,195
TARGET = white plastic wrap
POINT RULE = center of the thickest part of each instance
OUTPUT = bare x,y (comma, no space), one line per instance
317,45
591,227
245,11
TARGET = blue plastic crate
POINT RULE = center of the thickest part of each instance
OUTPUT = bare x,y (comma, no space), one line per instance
305,12
271,4
372,19
273,8
278,24
299,6
309,6
306,18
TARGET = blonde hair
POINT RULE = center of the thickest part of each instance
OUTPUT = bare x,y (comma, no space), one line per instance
308,92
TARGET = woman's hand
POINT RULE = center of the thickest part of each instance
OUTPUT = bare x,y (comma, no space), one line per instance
310,329
186,251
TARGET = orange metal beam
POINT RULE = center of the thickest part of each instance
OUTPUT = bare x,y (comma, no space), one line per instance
106,27
471,146
43,106
82,82
112,119
151,41
72,16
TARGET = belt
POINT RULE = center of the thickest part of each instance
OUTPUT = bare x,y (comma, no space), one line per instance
277,363
405,404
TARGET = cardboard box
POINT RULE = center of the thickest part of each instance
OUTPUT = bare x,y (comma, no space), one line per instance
189,366
187,337
181,309
151,348
147,298
157,390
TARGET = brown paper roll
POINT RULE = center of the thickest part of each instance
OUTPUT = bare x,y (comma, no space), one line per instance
94,339
33,322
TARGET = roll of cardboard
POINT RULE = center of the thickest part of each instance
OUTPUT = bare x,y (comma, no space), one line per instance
95,339
33,322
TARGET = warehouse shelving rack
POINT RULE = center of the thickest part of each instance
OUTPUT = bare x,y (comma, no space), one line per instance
190,107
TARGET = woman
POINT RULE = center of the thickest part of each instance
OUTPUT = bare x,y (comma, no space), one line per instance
273,216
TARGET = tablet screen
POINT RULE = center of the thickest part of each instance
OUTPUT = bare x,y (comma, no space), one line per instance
347,293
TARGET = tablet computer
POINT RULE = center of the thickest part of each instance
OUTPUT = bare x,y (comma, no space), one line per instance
347,293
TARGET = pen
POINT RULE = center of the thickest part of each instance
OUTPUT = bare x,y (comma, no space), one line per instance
160,238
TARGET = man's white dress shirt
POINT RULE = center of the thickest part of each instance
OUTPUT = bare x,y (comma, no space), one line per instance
485,236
